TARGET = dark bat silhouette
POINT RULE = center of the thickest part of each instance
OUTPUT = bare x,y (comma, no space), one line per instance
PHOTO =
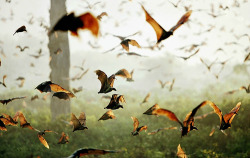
2,125
226,120
72,23
106,83
180,153
125,74
6,101
99,17
137,129
161,129
89,151
150,110
160,32
188,123
20,29
108,115
115,102
80,123
63,139
22,49
3,83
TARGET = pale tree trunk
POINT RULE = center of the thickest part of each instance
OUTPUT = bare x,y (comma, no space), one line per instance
59,63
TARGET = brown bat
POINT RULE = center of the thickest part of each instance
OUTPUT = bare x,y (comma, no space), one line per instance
76,90
115,102
72,23
108,115
99,17
188,123
145,99
20,29
40,135
137,129
2,125
3,83
150,110
125,74
8,120
160,129
226,120
22,79
188,57
22,49
180,153
160,32
163,84
23,121
247,89
89,151
63,95
247,57
63,139
125,44
80,123
6,101
48,86
106,83
208,66
34,97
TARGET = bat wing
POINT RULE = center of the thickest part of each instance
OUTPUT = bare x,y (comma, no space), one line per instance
146,98
123,73
44,87
136,123
102,77
150,110
121,99
230,116
180,152
2,126
216,110
82,118
134,43
108,115
125,45
15,118
212,132
90,22
61,95
168,114
111,80
182,20
75,121
43,141
22,119
172,85
142,128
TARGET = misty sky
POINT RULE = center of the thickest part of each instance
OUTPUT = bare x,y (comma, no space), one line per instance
125,18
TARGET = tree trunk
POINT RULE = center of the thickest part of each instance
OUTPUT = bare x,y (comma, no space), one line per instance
59,63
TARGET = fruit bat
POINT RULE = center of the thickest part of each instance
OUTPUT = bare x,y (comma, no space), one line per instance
150,110
80,123
115,102
160,32
2,125
137,129
23,121
125,44
180,153
106,83
125,74
89,151
72,23
6,101
63,139
20,29
108,115
3,83
145,99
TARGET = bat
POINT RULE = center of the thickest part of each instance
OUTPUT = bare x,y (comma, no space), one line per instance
20,29
2,125
208,66
34,97
188,123
8,120
79,89
145,99
203,116
212,132
22,49
72,23
48,86
40,135
247,57
160,32
160,129
115,102
150,110
106,83
80,123
226,120
247,89
108,115
125,74
163,84
63,139
3,83
89,151
180,153
99,17
22,79
6,101
23,121
172,85
188,57
137,129
125,44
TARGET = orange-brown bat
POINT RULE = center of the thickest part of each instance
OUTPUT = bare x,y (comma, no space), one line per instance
180,153
2,125
63,95
40,135
137,129
106,83
125,44
115,102
108,115
125,74
89,151
72,23
212,132
226,120
160,129
23,121
145,99
247,57
3,83
8,120
150,110
63,139
188,123
80,123
247,89
48,86
160,32
20,29
99,17
6,101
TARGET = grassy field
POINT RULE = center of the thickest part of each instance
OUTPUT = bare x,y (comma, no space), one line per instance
116,134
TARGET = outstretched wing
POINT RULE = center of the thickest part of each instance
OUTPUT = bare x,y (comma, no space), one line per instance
180,152
43,141
183,19
102,77
82,118
76,122
136,123
230,116
111,80
150,110
123,73
216,110
121,99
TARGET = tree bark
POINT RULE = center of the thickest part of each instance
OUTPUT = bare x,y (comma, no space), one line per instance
59,63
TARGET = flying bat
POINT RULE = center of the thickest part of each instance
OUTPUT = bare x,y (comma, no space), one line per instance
34,97
23,121
99,17
163,84
63,139
247,89
125,74
145,99
115,102
106,83
108,115
3,83
125,44
160,129
208,66
8,120
180,153
40,135
160,32
137,129
188,123
188,57
72,23
6,101
89,151
151,109
22,49
2,125
20,29
80,123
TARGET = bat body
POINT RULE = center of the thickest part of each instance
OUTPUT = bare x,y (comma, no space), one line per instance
6,101
83,152
115,102
20,29
80,123
106,83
